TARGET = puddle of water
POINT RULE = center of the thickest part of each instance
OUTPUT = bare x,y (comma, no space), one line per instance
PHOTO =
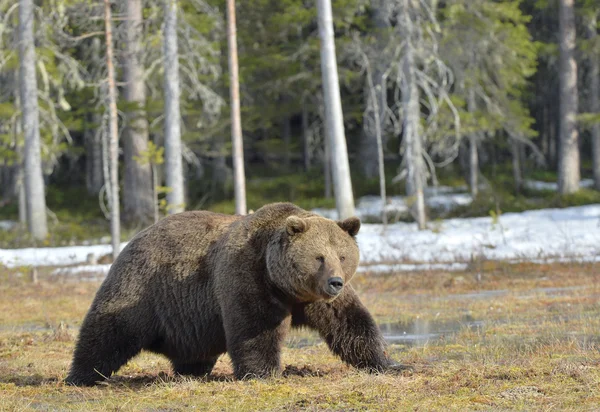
486,294
414,333
422,331
25,327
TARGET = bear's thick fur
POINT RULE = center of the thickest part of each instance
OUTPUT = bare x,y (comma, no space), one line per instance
199,284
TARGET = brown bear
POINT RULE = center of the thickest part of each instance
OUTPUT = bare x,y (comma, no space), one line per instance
199,284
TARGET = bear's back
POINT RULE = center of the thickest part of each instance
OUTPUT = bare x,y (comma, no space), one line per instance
165,255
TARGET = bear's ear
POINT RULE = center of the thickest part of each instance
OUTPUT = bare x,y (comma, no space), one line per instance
295,225
350,225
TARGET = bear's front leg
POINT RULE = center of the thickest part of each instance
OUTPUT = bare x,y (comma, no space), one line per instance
254,337
349,330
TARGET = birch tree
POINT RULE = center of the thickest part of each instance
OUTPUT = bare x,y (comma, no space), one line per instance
422,79
568,162
173,151
412,132
239,179
113,136
138,196
34,182
344,198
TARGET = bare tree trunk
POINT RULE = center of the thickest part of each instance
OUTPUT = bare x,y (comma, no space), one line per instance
113,145
22,197
568,162
413,149
20,184
342,185
473,154
516,163
375,99
595,105
173,151
473,166
34,181
138,194
327,170
239,178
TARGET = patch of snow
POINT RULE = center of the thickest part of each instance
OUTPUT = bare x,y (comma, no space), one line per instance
553,186
544,236
53,256
7,224
572,234
411,267
99,270
441,198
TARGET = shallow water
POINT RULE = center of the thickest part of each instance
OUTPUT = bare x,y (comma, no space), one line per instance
421,331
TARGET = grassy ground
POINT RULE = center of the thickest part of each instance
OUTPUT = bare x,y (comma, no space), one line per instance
535,348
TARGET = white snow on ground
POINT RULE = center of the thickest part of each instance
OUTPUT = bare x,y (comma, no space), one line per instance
553,186
567,234
82,269
564,235
7,224
52,256
442,198
411,267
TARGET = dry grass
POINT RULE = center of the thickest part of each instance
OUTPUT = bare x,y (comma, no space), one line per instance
537,350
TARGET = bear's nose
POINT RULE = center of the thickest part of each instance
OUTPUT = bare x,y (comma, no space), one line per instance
335,285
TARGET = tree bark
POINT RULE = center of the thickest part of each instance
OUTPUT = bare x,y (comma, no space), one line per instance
473,154
239,178
516,163
327,170
375,106
20,183
138,196
113,144
34,181
595,104
568,162
173,151
342,185
413,149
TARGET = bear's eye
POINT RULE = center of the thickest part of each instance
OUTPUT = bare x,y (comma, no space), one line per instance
321,259
342,258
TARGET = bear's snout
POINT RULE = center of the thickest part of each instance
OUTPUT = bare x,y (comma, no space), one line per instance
335,285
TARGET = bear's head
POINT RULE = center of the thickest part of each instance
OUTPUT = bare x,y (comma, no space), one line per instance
313,258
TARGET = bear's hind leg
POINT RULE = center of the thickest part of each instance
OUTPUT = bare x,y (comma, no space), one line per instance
103,347
198,369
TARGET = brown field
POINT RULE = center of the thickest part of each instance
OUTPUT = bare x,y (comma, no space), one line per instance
496,337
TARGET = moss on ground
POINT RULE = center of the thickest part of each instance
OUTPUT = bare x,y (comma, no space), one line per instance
537,349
